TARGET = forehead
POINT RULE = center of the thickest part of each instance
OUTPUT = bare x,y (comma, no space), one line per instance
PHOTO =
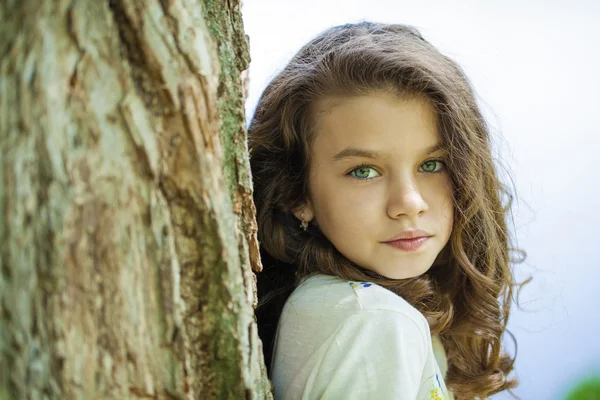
377,121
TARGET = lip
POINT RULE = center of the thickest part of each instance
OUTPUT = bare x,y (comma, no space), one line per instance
408,244
409,240
409,234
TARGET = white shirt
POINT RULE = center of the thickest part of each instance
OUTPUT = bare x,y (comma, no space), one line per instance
354,340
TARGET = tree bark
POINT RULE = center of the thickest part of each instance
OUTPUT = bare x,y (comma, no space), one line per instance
127,227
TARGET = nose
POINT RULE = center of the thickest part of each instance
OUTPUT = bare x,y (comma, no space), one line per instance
405,198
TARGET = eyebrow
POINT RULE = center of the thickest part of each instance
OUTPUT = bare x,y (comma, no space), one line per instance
355,152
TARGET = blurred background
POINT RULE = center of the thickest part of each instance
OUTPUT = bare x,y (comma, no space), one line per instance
535,67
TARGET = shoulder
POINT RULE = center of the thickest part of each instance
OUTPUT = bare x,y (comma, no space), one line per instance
334,335
328,297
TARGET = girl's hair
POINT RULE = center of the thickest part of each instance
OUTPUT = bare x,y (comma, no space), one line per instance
466,295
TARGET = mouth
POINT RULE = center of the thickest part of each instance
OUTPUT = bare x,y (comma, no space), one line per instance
411,244
409,234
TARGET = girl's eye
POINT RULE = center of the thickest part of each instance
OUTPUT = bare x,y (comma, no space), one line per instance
363,172
366,172
432,166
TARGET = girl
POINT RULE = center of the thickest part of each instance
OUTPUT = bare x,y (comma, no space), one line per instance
381,224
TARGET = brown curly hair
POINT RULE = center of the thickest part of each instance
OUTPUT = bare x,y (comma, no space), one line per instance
466,295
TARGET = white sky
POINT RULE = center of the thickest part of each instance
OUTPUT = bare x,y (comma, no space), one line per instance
535,66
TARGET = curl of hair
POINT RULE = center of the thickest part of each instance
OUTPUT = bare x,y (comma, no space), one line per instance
466,295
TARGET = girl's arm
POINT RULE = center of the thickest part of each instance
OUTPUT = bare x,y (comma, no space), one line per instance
376,354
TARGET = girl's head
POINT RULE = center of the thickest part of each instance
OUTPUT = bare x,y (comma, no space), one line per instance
371,135
376,175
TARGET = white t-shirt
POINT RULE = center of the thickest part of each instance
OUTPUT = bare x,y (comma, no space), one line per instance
354,340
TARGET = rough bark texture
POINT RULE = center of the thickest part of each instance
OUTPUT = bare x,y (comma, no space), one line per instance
127,230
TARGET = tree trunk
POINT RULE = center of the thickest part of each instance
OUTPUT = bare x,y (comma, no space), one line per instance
127,228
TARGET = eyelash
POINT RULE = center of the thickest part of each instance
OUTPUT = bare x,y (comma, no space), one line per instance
349,173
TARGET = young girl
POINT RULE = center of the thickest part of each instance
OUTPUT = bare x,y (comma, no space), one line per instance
381,224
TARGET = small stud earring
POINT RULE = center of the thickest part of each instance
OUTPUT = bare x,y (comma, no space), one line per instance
303,224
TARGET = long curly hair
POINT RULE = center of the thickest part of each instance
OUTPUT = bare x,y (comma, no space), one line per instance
466,295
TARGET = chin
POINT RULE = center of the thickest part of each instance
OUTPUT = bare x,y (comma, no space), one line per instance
404,274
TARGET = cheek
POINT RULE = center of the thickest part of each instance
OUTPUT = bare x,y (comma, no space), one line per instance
342,205
446,207
440,199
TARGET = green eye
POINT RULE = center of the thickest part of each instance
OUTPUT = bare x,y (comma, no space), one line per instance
363,173
432,166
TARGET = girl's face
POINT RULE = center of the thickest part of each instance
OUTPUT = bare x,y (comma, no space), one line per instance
377,175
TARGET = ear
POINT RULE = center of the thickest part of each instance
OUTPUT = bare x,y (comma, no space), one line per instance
304,213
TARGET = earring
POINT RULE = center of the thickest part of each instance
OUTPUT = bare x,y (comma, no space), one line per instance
303,224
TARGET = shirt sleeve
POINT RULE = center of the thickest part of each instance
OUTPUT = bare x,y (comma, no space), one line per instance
376,354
